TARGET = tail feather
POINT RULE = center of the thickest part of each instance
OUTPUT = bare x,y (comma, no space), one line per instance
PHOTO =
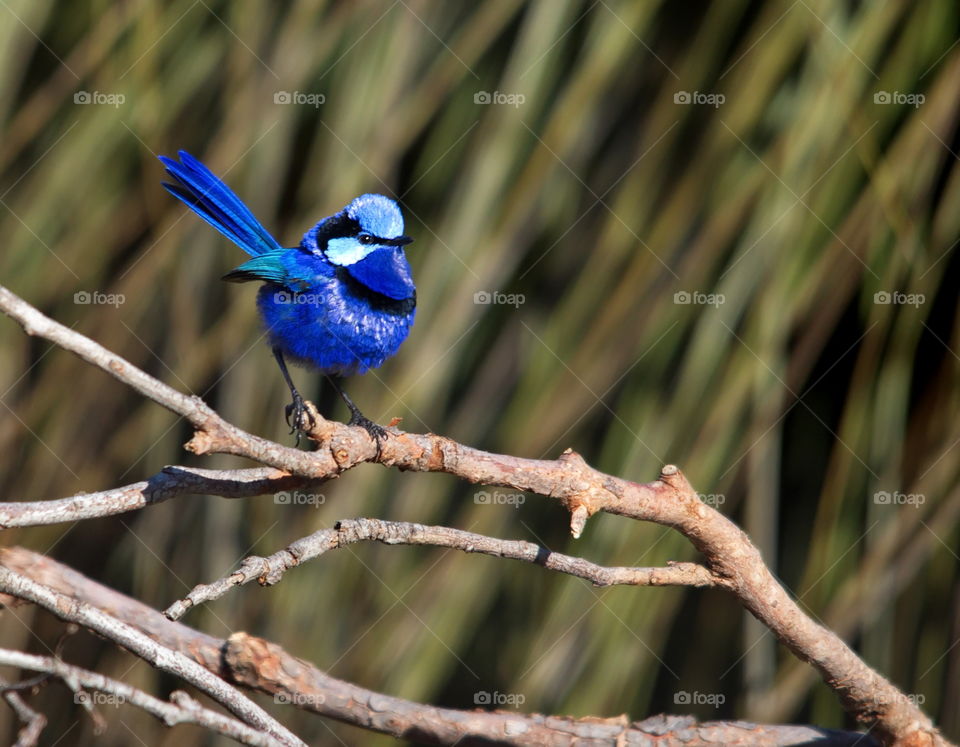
211,199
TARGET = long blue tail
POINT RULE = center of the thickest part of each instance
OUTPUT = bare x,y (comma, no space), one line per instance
214,201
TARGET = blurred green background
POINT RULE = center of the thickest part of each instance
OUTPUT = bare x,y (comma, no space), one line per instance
733,228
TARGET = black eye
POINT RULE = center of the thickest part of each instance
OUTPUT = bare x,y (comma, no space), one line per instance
365,238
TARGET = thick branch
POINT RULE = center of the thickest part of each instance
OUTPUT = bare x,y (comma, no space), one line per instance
266,667
669,501
270,569
182,710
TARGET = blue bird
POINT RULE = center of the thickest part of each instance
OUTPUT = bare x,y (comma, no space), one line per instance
342,302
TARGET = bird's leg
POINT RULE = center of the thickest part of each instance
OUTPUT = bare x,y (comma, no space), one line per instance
295,410
377,432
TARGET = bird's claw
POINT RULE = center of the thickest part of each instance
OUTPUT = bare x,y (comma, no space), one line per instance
377,432
294,414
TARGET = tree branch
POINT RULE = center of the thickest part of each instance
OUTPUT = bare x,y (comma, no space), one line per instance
169,483
268,571
669,501
263,666
33,722
182,710
67,607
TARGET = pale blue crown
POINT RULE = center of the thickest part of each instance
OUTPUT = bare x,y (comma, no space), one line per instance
377,215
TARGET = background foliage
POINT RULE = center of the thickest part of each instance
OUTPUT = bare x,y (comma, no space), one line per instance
789,393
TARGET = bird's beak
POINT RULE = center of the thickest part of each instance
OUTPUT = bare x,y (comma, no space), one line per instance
399,241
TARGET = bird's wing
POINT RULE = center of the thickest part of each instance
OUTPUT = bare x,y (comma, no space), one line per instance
269,268
211,199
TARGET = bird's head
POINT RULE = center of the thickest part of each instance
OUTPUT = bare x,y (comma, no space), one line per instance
373,222
366,238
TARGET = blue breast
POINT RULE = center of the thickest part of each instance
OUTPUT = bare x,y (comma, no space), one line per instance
334,323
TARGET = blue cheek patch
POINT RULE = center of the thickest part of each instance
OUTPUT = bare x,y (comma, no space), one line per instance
347,250
385,271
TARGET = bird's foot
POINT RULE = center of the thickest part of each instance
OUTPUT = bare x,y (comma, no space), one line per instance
296,413
377,432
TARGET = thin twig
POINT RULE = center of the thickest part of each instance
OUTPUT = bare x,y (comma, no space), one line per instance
33,722
169,483
68,608
182,710
270,569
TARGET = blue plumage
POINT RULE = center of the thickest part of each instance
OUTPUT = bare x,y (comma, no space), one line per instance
342,302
